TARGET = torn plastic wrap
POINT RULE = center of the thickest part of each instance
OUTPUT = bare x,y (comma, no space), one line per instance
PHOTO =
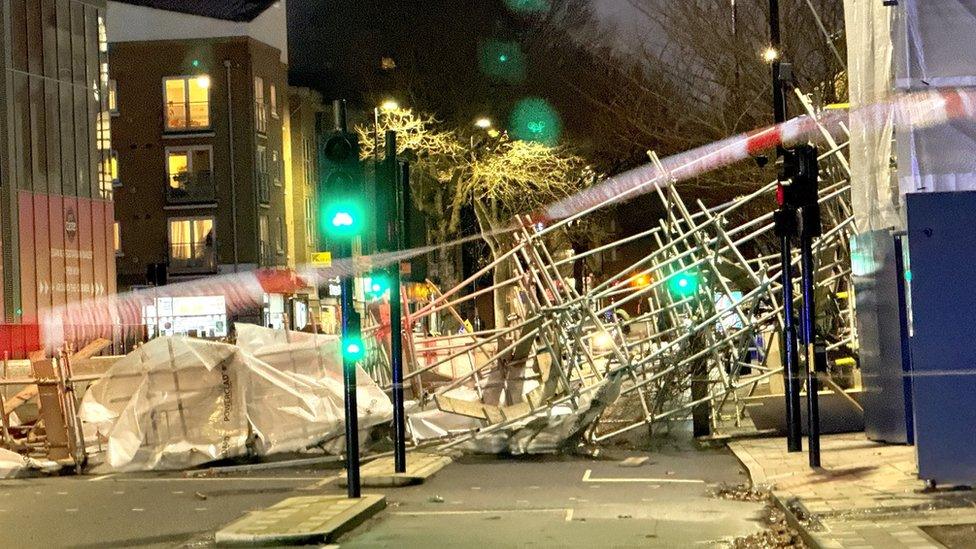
14,465
178,402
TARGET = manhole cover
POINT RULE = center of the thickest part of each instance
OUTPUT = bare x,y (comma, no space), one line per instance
953,536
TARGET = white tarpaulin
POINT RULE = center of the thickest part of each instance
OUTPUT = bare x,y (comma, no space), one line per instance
13,465
178,402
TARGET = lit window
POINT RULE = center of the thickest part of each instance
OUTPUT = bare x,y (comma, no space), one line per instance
264,237
102,35
187,103
187,166
191,241
273,95
113,97
103,131
118,238
113,169
260,110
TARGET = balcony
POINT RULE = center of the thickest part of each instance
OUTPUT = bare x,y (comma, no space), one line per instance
195,258
192,188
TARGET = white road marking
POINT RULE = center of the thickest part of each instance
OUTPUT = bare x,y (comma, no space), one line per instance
138,509
588,478
70,510
478,512
569,515
62,493
102,477
476,487
118,492
200,509
177,492
212,479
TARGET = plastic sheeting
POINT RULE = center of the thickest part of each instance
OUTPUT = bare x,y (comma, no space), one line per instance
552,430
914,45
933,45
14,465
874,189
178,402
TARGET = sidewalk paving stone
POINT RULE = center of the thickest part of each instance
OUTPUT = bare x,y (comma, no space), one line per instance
866,494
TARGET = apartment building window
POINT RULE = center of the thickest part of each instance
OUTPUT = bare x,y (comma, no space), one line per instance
192,246
307,159
187,101
189,175
260,109
309,222
113,97
261,174
113,169
118,238
264,238
280,237
275,169
273,96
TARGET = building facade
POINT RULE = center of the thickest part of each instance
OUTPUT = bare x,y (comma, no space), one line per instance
56,212
200,110
305,107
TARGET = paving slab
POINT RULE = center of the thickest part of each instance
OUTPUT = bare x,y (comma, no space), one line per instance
301,521
380,473
866,494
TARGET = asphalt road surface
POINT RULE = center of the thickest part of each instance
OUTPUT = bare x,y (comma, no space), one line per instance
486,502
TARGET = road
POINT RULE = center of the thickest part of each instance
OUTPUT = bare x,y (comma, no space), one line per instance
491,502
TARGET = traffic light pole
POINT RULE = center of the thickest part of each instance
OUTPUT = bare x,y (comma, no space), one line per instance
396,308
350,327
808,174
786,230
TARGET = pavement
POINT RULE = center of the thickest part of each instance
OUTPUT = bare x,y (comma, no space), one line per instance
553,501
866,494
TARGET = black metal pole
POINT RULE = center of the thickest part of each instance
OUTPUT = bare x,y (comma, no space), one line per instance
786,222
348,311
794,435
396,310
810,215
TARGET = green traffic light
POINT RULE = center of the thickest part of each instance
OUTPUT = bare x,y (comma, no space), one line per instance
378,285
342,219
684,285
353,348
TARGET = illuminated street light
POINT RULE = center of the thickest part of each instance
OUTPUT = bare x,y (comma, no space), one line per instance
483,123
390,105
770,54
203,81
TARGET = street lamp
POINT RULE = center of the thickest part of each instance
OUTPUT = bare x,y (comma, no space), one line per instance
483,123
770,54
390,105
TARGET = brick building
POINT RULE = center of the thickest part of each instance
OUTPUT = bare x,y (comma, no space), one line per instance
202,138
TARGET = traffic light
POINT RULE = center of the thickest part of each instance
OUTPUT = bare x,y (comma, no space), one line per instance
353,348
684,284
379,284
341,213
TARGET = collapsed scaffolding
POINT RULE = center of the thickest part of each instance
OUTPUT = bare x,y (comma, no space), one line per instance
709,297
572,367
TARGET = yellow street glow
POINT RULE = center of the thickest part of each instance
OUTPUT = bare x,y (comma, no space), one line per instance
483,123
203,81
390,105
770,54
